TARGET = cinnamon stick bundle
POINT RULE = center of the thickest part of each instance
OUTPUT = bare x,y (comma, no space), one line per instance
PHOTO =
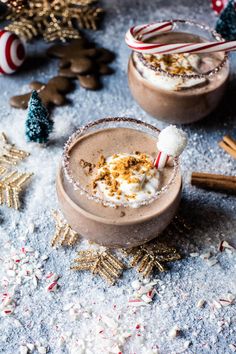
214,181
229,145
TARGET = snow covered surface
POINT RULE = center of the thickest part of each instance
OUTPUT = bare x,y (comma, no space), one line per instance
82,314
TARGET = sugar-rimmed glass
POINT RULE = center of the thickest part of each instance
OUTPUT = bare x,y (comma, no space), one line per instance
201,30
106,123
158,90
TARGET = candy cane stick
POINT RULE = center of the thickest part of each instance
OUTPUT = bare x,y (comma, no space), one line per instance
136,36
171,142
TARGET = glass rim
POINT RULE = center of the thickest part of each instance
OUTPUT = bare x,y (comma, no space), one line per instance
76,184
207,74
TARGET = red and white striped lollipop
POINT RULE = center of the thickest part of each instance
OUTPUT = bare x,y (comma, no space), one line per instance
171,142
12,52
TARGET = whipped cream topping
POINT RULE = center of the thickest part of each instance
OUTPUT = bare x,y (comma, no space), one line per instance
180,64
126,178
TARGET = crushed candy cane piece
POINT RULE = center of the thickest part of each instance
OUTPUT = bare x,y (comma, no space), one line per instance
137,302
200,303
225,245
52,286
174,332
52,277
227,300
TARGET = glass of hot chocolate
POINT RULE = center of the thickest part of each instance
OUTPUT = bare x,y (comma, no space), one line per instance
109,188
179,88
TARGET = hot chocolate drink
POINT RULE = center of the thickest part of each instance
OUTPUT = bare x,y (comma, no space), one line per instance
179,88
108,187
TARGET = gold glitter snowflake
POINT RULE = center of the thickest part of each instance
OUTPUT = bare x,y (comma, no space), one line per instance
55,19
101,262
9,154
150,256
11,185
64,234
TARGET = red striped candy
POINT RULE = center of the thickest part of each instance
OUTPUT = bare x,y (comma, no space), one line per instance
12,52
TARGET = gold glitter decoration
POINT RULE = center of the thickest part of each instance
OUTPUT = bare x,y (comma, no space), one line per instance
64,235
8,153
52,19
11,185
150,256
17,5
103,263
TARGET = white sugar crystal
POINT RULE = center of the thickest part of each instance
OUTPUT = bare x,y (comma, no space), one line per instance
174,332
146,298
36,254
212,261
216,304
86,314
11,273
136,284
61,341
109,321
44,257
42,350
74,314
30,346
29,249
68,306
187,344
145,289
195,254
31,228
23,349
35,281
206,255
232,347
231,297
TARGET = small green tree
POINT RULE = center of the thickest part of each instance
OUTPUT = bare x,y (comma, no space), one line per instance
226,24
38,125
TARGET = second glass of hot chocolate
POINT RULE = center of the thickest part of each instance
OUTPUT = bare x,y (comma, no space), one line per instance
109,189
179,88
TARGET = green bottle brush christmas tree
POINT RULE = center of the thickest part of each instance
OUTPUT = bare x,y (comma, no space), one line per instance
226,24
38,125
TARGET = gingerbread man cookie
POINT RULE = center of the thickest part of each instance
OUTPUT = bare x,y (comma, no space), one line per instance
52,93
81,59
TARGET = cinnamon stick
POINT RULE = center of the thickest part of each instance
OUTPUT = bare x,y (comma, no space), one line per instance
214,181
229,145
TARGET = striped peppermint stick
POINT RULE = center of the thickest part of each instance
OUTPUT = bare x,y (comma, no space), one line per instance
161,160
136,36
171,142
